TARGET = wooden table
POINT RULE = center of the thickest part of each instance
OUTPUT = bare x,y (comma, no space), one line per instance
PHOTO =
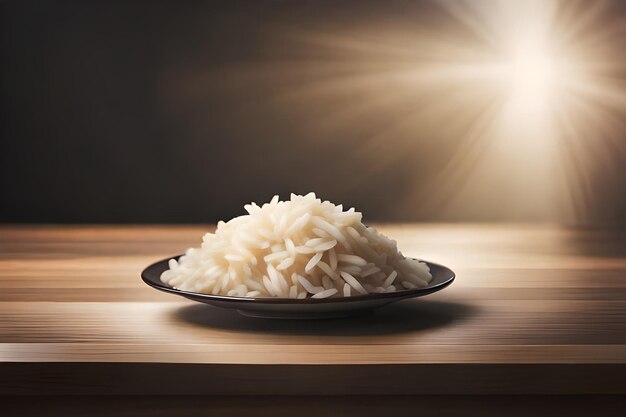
535,311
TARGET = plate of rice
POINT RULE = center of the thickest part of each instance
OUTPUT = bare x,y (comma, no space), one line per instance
297,259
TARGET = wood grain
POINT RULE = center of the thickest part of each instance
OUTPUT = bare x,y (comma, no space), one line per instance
534,310
314,405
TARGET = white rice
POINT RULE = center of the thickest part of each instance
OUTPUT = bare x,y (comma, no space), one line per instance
300,248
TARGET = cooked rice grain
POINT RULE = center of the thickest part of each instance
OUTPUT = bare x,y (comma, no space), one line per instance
321,249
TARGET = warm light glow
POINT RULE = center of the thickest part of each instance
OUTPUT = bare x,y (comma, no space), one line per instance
531,71
519,100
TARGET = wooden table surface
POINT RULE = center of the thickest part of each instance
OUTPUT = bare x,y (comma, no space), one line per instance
534,310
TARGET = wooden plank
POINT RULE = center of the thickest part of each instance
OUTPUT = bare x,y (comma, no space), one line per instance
339,354
237,379
313,405
536,309
435,321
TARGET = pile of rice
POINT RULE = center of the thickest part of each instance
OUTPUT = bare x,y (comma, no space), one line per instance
295,249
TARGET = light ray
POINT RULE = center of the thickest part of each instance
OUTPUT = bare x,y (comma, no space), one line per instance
513,105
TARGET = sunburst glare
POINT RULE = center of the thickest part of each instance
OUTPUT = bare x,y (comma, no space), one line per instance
499,110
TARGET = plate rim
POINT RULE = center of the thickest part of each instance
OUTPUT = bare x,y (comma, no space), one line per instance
158,285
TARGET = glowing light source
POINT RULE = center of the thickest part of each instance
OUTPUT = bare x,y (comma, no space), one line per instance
525,99
531,71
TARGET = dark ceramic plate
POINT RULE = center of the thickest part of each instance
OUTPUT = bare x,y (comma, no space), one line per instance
308,308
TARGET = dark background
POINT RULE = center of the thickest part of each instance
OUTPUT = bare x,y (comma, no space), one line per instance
184,111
